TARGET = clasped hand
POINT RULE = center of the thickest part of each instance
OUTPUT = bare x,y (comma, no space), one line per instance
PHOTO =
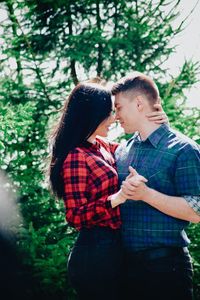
134,187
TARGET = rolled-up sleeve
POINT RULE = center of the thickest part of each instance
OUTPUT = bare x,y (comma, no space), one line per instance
194,203
187,173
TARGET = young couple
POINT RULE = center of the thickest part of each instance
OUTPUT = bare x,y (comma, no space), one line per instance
131,202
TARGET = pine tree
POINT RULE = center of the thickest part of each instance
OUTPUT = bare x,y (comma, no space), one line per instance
48,46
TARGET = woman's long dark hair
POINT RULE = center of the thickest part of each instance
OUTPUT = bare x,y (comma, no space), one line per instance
87,106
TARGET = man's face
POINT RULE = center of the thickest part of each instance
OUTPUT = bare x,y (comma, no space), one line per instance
126,112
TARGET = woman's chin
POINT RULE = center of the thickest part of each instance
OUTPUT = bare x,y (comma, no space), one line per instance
105,134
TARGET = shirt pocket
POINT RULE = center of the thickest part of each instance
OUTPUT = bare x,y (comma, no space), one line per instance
160,180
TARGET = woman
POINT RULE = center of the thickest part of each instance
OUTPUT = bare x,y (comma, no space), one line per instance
83,174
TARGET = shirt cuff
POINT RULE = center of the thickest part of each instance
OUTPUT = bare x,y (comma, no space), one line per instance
194,202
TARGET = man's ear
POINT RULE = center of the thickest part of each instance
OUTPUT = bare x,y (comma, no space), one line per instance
139,103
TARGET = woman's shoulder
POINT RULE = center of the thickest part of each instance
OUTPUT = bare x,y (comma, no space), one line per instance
75,154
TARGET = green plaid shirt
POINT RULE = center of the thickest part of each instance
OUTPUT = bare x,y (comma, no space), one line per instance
171,163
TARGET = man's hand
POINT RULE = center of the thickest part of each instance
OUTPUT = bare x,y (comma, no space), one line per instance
134,186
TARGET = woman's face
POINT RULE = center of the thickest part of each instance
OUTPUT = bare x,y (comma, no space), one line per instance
103,128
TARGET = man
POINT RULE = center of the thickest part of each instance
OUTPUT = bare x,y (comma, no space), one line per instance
158,264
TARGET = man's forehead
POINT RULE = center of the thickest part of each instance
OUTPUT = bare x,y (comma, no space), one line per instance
118,99
125,97
116,102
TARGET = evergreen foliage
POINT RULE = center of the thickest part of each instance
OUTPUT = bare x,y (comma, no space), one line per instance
47,47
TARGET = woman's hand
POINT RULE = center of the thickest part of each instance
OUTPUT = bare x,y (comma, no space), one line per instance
158,116
117,198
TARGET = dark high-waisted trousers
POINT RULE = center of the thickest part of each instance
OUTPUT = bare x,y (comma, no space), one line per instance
95,264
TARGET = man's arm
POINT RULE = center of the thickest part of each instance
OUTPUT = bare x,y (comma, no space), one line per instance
173,206
176,207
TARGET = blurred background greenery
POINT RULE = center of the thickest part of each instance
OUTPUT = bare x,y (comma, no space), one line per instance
47,47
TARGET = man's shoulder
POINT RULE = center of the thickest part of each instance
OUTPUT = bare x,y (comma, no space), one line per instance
181,140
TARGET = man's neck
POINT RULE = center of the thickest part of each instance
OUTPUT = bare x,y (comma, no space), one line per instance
147,129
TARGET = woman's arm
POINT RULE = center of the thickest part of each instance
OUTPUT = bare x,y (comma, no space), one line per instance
80,210
158,116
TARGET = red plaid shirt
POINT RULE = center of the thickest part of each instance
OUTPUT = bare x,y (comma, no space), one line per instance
90,176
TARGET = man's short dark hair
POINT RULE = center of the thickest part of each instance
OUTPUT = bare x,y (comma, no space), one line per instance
139,83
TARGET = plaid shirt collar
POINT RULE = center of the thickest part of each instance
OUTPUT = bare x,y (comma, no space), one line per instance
154,138
89,145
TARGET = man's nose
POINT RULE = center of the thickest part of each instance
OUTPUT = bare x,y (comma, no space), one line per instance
116,116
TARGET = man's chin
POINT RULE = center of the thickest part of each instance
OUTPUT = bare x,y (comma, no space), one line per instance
128,131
